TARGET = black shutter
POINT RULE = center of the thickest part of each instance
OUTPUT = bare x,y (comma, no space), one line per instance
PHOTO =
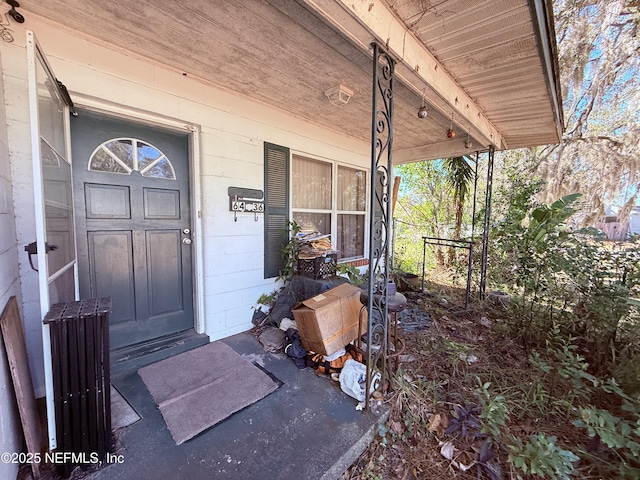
276,207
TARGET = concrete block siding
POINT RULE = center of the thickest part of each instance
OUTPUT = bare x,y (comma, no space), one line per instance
9,285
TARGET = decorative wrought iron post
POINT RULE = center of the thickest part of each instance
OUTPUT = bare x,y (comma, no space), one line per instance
380,223
487,218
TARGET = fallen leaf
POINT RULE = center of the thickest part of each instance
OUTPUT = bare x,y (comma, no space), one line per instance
444,423
407,358
465,461
470,359
434,422
396,427
447,450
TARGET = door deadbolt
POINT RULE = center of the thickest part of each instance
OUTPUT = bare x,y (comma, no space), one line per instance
186,231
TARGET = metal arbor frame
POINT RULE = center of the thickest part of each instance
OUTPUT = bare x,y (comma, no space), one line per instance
469,244
380,225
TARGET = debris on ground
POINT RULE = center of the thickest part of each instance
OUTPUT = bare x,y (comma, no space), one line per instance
435,429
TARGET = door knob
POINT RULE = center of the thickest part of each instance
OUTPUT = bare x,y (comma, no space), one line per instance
186,241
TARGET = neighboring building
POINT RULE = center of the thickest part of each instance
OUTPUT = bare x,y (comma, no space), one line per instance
617,229
634,221
178,102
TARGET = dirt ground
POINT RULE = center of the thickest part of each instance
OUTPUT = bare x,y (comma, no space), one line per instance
433,431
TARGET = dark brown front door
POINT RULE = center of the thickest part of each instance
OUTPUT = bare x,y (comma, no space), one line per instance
131,188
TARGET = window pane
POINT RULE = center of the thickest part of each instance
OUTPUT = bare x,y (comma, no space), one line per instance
352,187
311,187
131,155
147,154
58,211
50,111
161,169
63,289
49,158
350,239
103,162
123,149
310,222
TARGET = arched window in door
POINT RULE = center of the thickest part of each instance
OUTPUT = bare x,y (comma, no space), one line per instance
128,155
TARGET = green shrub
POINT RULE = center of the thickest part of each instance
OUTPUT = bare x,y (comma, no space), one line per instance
542,456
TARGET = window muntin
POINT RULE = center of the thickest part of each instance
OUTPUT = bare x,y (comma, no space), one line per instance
330,198
127,155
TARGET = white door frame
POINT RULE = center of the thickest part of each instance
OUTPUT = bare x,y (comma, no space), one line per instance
131,114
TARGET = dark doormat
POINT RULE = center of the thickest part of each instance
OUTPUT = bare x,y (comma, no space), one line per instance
199,388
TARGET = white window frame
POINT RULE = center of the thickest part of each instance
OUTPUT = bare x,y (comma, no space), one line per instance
334,212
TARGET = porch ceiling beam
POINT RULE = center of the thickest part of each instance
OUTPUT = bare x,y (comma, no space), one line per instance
363,21
435,150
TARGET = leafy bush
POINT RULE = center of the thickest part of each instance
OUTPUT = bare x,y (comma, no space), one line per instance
575,314
620,435
543,457
289,251
494,413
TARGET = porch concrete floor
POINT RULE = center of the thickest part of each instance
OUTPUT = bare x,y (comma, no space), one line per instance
308,428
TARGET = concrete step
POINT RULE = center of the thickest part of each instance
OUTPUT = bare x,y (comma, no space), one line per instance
136,356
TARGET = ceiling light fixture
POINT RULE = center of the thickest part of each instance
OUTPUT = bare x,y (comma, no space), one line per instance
468,143
451,133
339,95
423,112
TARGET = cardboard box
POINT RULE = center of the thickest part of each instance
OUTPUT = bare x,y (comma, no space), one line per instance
329,321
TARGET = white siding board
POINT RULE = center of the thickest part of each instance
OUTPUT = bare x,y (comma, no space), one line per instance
5,169
228,301
10,436
9,269
233,244
236,262
238,319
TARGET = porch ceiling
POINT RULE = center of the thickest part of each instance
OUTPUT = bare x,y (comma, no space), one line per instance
490,63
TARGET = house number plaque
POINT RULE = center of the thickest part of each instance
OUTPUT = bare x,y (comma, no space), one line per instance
242,206
245,200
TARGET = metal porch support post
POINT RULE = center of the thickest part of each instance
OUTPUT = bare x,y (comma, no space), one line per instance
473,231
380,222
487,218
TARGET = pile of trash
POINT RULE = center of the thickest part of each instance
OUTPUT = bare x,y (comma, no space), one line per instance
344,366
313,245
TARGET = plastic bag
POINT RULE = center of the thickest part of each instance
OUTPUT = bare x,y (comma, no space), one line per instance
353,380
